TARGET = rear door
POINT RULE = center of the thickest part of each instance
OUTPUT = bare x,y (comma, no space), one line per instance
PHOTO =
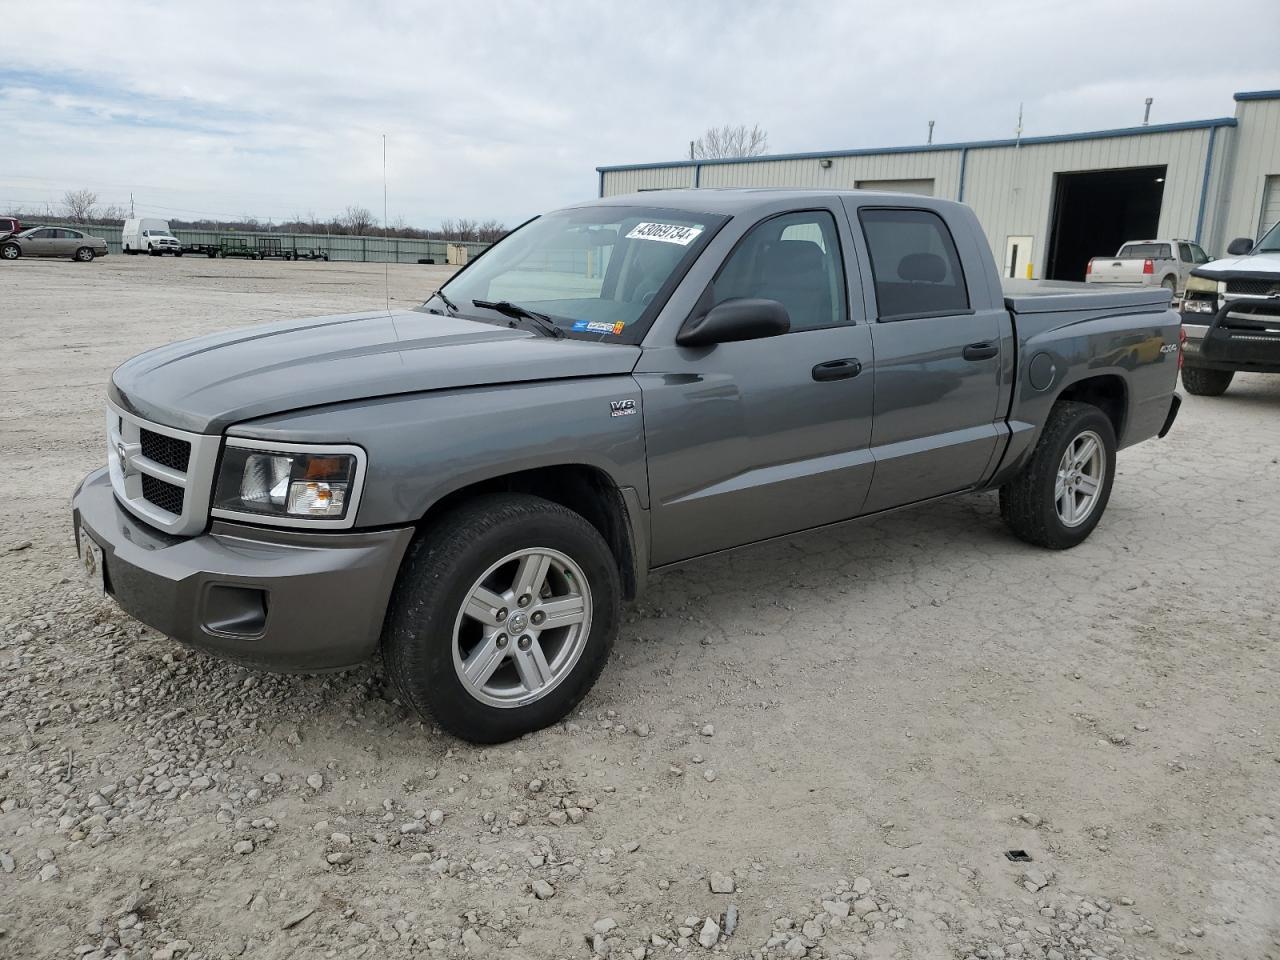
938,338
69,241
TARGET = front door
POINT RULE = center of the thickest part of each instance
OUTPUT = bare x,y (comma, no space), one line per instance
761,438
937,359
40,243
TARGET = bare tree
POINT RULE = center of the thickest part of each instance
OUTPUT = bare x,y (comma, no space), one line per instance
79,205
357,220
730,141
491,231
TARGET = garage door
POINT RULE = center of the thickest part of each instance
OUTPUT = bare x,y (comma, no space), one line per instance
1270,205
922,187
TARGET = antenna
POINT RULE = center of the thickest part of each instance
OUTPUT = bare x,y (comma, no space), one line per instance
930,140
130,204
1146,115
386,229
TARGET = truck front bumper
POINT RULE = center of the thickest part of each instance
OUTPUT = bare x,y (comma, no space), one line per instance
288,600
1242,335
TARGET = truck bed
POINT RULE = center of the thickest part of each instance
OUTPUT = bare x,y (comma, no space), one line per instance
1050,296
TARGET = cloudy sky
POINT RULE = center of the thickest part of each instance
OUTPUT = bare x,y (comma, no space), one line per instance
276,109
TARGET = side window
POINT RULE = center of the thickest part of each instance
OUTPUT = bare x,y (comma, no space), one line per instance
1184,253
914,263
794,259
1198,255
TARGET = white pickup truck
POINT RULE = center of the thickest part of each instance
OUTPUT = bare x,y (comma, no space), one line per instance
1149,263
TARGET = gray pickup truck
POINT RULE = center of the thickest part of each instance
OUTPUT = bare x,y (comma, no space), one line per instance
476,485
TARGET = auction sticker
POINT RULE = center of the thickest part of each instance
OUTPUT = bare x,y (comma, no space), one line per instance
597,326
665,232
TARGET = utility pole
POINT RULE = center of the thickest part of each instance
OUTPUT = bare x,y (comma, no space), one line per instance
130,204
1146,116
690,149
930,140
1018,141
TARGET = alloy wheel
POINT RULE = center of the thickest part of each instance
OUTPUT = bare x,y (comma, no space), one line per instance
1079,482
522,627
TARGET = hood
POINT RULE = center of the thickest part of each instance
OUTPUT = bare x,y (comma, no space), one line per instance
206,384
1261,264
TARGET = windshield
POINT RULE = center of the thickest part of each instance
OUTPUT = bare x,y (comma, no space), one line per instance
1270,243
598,272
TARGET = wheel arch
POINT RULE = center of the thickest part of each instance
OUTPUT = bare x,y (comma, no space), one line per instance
1107,391
588,491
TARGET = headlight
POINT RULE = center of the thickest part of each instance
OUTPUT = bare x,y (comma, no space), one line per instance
289,484
1200,306
1202,285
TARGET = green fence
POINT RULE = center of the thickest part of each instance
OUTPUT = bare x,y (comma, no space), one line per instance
359,249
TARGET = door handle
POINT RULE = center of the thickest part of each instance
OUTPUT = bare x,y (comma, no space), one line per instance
980,351
837,369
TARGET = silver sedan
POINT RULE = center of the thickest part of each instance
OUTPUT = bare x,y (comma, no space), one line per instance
53,242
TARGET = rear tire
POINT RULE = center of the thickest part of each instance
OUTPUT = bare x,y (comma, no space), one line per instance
1049,503
1170,284
1203,382
430,637
84,254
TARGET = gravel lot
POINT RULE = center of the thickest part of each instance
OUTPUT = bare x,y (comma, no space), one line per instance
821,747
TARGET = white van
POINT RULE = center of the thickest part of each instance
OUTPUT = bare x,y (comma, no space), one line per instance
149,236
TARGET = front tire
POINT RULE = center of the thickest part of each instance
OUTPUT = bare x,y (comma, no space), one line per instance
1203,382
503,617
1060,495
10,251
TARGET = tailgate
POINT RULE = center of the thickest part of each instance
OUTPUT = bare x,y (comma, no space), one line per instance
1118,270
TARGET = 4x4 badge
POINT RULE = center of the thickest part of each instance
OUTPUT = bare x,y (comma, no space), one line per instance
621,408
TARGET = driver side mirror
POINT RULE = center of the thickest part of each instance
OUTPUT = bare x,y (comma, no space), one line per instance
734,320
1239,247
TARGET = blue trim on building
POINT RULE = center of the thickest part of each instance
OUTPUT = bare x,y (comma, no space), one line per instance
940,147
601,185
1204,186
1258,95
964,160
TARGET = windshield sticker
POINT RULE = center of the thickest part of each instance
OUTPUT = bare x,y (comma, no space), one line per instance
665,232
598,326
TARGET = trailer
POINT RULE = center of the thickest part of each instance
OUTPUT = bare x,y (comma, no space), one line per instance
236,247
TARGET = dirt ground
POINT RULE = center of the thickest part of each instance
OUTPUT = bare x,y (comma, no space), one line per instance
818,747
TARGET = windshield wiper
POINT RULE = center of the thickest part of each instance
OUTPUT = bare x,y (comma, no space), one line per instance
449,304
541,321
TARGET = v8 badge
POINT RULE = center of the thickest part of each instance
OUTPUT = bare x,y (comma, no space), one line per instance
621,408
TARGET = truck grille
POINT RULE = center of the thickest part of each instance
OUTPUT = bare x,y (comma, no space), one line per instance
161,474
1254,288
167,451
166,496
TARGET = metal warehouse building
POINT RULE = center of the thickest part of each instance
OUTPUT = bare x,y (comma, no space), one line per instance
1049,203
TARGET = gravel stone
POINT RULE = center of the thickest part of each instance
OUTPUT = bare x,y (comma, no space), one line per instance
721,882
